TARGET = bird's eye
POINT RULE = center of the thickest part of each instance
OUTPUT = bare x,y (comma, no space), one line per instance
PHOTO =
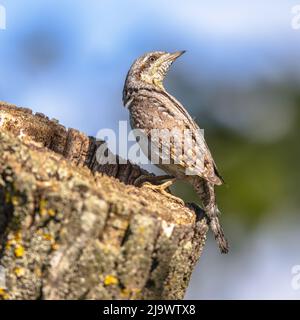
152,59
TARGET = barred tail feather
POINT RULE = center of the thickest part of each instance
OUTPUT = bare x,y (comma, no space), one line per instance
218,232
206,192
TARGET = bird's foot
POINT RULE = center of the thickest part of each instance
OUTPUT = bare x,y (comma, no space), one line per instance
162,190
151,178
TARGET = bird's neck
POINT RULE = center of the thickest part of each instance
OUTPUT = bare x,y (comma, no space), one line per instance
134,88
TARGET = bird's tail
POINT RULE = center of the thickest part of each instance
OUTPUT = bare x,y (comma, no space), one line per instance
217,230
206,192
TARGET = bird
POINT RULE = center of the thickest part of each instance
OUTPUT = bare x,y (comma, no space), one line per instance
151,109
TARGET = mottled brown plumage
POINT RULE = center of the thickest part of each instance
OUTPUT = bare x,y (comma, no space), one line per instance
152,107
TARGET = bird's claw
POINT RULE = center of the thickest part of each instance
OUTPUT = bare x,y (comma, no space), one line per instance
162,190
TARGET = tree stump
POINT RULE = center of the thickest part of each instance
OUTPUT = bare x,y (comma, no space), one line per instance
73,229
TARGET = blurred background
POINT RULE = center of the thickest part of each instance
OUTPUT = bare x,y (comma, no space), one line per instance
240,79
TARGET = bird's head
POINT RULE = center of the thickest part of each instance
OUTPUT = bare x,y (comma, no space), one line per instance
151,68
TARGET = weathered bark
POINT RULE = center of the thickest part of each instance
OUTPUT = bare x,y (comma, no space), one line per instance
69,231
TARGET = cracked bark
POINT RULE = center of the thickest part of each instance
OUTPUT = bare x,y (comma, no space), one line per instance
73,229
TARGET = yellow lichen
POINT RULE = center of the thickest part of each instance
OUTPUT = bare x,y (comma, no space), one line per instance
9,244
19,272
18,236
15,200
48,237
110,280
133,293
43,207
51,212
3,294
125,293
19,251
44,210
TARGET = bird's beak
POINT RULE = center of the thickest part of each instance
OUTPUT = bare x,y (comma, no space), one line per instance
168,58
175,55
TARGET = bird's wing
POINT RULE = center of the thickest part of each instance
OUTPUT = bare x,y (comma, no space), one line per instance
188,148
210,172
